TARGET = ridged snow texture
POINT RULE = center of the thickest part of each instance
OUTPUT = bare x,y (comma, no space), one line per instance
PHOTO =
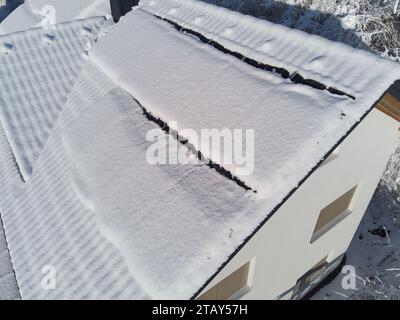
8,283
47,224
330,63
38,69
8,175
51,219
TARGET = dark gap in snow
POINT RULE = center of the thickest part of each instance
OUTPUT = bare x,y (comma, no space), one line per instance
340,93
168,130
295,77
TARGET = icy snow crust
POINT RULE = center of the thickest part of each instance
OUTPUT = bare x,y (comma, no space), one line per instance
114,226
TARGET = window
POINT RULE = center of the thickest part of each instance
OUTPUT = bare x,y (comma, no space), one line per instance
232,287
333,214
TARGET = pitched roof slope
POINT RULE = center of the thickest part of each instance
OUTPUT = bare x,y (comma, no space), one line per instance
331,63
48,223
116,226
36,13
8,283
178,78
38,69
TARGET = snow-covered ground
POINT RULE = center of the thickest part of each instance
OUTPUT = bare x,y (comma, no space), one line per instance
371,25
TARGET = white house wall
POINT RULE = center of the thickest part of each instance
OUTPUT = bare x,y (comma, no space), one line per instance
281,249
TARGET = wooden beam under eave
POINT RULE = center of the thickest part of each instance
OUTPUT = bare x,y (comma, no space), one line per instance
390,106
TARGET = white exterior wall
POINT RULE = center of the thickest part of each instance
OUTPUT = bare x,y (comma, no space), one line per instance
281,249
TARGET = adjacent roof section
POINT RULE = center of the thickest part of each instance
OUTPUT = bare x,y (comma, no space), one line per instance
37,13
38,69
333,64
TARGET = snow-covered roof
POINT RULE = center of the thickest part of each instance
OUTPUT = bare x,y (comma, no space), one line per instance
38,69
92,206
178,78
333,64
8,284
36,13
